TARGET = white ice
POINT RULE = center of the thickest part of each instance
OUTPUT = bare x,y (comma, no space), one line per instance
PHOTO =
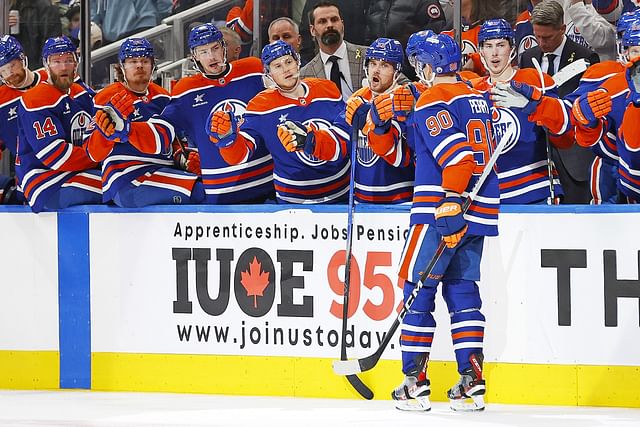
82,408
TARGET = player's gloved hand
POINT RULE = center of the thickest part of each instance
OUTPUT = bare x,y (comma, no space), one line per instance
591,106
404,99
382,113
222,127
356,112
516,95
113,119
187,159
294,136
450,221
633,80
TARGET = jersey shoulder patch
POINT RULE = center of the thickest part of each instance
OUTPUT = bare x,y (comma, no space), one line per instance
41,96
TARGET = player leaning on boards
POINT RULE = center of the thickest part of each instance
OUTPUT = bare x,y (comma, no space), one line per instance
52,164
17,78
526,172
385,171
300,173
452,144
138,172
219,86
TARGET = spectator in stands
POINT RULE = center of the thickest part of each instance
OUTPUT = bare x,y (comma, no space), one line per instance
121,18
595,31
338,60
286,30
353,14
240,19
53,167
555,51
232,42
398,19
137,170
73,18
39,20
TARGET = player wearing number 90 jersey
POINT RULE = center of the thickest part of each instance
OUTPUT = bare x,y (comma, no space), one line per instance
453,122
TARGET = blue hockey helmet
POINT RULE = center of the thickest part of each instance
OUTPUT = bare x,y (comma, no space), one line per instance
626,20
204,34
631,35
493,29
276,50
384,49
57,46
136,48
414,41
441,52
10,49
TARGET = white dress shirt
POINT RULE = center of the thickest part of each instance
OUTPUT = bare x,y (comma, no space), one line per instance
343,65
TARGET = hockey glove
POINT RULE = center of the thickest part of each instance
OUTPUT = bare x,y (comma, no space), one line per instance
404,99
295,136
113,119
222,128
382,113
187,158
356,112
633,80
516,95
588,108
450,221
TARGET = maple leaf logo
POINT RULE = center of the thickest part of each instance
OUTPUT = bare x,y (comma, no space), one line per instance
254,281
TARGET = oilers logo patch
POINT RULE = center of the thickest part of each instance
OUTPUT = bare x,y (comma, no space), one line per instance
79,123
366,156
305,158
526,43
502,119
234,106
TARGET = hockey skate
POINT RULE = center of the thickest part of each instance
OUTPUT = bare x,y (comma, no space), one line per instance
412,394
468,393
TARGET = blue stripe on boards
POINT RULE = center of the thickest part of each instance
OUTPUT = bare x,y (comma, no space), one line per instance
73,300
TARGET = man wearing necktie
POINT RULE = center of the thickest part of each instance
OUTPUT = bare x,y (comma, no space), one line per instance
553,53
337,60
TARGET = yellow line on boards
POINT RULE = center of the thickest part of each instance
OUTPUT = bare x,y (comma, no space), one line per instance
29,370
313,377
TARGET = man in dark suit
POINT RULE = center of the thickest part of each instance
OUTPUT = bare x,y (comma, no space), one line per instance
337,59
554,52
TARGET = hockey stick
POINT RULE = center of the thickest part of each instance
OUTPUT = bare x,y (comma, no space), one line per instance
347,367
353,379
552,189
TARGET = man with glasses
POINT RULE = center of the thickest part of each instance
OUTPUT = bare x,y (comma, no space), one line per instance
137,172
16,78
53,167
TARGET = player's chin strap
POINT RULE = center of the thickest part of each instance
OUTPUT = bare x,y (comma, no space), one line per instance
28,73
420,73
224,62
146,88
512,56
280,88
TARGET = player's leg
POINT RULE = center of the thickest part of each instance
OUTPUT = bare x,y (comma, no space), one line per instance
418,326
603,181
81,188
165,186
462,295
